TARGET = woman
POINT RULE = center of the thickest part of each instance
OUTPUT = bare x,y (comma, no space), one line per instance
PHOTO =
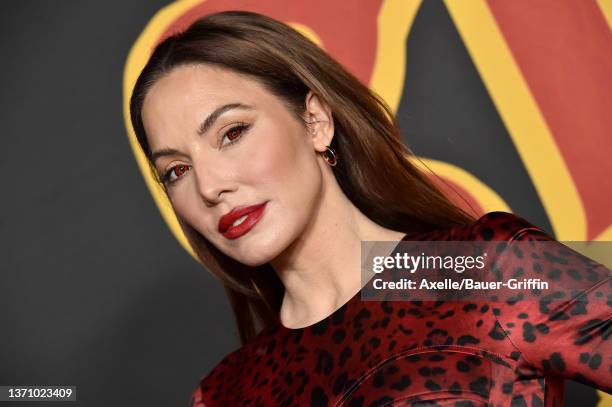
278,164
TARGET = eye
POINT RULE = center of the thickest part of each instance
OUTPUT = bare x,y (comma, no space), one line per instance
234,134
175,173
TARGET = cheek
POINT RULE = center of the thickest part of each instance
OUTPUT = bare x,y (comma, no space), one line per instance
187,204
269,161
281,160
283,168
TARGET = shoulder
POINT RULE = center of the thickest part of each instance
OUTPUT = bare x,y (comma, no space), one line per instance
214,384
231,368
503,226
492,226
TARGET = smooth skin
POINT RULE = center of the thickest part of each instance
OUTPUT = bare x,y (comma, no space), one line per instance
310,231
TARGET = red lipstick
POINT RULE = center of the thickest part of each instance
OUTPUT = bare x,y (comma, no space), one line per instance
253,213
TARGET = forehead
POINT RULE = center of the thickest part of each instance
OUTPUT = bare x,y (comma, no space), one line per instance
204,84
178,101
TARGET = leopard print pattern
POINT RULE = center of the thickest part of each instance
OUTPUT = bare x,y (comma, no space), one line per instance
433,353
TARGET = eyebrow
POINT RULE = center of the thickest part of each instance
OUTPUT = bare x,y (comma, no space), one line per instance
203,128
164,152
210,120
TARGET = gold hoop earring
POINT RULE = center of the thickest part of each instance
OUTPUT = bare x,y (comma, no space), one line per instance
330,156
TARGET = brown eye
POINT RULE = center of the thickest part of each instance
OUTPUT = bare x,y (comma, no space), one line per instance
234,134
174,173
180,170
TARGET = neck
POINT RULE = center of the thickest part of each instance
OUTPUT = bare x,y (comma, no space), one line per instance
321,270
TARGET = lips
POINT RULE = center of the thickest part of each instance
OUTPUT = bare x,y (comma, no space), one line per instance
253,213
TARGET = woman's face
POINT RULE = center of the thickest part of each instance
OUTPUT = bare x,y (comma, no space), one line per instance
222,142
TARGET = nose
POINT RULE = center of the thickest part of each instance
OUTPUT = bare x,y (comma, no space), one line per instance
212,182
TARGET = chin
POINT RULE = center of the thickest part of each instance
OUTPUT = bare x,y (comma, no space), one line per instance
256,260
260,252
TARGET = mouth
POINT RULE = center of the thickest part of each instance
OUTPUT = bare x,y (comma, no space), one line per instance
240,220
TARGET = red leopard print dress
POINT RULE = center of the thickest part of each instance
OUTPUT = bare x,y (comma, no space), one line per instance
432,353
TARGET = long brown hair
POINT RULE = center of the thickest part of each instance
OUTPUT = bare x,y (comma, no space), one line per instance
374,171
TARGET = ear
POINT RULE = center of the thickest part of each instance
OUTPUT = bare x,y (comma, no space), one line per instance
321,122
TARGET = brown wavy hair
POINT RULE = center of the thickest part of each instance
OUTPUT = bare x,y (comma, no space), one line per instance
374,170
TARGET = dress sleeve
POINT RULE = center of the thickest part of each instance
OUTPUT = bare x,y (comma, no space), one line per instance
565,331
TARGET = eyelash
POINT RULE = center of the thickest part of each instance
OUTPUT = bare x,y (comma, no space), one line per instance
244,127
